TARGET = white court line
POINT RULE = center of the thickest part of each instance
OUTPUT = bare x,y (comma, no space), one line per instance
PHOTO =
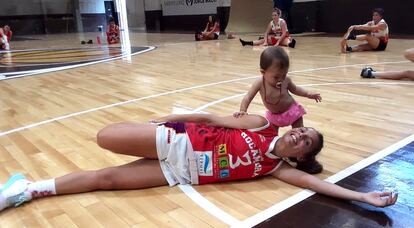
279,207
209,206
36,72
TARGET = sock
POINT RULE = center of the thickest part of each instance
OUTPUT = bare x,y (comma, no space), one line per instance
348,48
42,188
244,43
372,74
351,36
3,203
292,43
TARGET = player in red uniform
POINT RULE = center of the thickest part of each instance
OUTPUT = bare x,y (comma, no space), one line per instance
276,34
375,40
112,32
211,32
8,32
193,149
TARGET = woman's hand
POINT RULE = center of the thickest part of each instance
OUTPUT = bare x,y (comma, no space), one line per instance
380,199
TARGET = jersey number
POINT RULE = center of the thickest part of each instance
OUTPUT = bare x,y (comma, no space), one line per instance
239,161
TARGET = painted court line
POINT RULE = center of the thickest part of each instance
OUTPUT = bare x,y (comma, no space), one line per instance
209,206
36,72
279,207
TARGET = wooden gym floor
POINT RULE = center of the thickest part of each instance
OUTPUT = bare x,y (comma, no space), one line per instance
48,123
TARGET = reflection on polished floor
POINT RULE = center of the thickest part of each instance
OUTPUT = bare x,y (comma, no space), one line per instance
48,123
392,173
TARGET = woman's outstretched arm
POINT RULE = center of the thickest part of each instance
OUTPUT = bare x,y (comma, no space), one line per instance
301,179
244,122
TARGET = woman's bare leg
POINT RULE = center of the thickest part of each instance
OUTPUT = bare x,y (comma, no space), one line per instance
409,54
394,75
370,44
362,47
372,41
343,43
258,42
143,173
285,41
129,138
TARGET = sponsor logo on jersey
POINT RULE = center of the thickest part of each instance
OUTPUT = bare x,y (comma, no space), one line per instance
222,149
224,173
204,163
223,162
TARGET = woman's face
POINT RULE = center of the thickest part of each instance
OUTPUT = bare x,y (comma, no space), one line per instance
300,141
376,17
210,18
275,16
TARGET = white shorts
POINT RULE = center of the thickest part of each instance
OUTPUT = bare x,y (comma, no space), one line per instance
173,150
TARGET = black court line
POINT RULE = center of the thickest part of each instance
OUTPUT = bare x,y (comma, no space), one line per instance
393,172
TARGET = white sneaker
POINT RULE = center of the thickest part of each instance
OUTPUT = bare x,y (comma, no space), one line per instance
14,193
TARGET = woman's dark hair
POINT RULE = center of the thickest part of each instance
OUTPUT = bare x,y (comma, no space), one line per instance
273,55
380,11
318,147
214,18
278,11
310,164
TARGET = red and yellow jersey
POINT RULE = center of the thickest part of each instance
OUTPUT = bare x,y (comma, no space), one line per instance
223,154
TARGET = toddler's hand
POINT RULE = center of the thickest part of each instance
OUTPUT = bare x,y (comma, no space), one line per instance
316,96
